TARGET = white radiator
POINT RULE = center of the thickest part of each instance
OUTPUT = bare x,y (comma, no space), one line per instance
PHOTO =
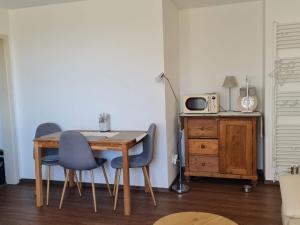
286,95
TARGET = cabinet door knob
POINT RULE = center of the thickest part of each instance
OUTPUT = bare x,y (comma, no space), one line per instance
202,128
203,164
202,146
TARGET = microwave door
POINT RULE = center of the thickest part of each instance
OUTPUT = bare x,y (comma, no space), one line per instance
196,104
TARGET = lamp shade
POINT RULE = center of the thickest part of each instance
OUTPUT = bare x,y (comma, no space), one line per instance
230,82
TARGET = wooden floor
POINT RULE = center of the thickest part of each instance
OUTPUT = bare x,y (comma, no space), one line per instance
262,207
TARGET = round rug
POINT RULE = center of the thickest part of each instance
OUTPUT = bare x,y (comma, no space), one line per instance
194,218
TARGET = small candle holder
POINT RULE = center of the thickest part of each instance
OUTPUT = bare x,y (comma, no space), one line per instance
104,122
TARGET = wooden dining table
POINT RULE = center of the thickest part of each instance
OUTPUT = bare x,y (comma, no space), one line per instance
121,141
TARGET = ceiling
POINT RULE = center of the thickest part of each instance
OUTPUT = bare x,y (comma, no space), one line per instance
188,4
15,4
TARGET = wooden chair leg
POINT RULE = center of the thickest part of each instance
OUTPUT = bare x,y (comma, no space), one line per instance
106,180
65,171
64,189
71,178
77,183
80,180
115,182
48,184
93,190
147,190
118,173
149,184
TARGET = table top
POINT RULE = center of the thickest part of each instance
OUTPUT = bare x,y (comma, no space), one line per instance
223,114
121,137
194,218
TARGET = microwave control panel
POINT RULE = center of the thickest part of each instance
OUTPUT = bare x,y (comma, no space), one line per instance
214,104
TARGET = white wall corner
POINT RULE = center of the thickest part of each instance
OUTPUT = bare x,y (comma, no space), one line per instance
7,114
171,69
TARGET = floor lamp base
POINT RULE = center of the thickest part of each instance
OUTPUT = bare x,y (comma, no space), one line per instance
180,188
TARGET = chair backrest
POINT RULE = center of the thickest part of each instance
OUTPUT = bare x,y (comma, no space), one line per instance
75,152
148,144
45,129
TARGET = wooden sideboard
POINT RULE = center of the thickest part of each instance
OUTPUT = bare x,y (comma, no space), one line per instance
221,145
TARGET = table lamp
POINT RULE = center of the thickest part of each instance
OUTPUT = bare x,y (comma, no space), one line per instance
230,82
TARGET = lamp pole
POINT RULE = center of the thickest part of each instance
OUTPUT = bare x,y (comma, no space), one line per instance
180,187
229,99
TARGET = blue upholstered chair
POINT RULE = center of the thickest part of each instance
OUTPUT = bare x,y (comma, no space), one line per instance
76,154
49,156
137,161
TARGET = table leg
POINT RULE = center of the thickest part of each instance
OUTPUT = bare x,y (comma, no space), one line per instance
126,181
38,176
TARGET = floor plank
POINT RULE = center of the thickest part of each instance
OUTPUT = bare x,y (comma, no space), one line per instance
261,207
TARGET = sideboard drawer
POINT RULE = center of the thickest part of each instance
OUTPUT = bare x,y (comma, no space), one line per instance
203,163
198,128
203,146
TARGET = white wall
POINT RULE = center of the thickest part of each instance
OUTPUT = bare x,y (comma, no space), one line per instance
76,60
4,29
171,60
73,61
7,119
219,41
280,11
4,26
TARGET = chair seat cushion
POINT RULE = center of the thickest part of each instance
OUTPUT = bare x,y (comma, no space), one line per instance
134,162
289,187
50,160
290,221
294,222
100,161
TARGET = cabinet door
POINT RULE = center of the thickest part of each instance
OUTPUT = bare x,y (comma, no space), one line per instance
236,147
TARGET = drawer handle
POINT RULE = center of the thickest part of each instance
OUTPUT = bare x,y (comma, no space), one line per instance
202,128
203,164
202,146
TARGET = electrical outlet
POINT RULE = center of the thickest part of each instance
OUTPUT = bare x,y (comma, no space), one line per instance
174,159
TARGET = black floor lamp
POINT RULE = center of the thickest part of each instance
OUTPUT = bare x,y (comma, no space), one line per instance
180,187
